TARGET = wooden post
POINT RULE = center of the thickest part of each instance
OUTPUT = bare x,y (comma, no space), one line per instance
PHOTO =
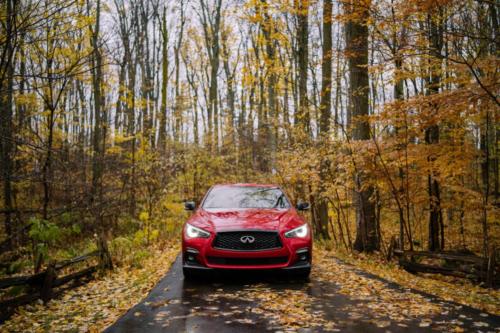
48,281
490,271
105,262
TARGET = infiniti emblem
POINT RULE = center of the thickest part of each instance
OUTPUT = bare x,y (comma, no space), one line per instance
247,239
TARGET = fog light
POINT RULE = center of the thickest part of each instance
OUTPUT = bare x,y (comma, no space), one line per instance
191,255
303,254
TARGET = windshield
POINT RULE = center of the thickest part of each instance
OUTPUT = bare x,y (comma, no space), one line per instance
245,197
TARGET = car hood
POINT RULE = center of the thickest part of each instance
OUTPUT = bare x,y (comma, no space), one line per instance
226,220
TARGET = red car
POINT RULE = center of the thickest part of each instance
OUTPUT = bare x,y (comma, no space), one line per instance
246,227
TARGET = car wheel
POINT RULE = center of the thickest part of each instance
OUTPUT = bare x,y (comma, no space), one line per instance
304,274
188,274
191,275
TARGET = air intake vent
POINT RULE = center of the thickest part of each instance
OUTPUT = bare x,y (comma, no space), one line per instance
247,240
247,261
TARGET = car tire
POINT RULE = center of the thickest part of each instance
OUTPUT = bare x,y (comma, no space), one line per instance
304,274
188,274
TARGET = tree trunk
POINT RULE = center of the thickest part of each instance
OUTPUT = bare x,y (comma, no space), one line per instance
131,127
162,135
326,69
98,135
6,99
211,28
146,74
325,109
178,98
303,116
47,166
121,95
494,49
229,132
367,238
432,137
268,30
50,108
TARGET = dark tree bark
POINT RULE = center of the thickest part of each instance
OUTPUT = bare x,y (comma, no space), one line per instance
494,49
326,69
6,100
131,122
272,78
162,135
302,12
432,135
50,106
325,109
47,166
99,135
367,236
488,129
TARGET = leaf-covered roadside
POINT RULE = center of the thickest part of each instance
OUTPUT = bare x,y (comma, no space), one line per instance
93,306
365,299
451,289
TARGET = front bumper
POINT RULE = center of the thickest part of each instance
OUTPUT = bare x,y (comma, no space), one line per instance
294,256
297,268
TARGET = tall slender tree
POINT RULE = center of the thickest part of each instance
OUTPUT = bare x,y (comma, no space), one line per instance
325,112
268,30
162,131
6,110
358,14
303,118
211,22
178,108
99,134
433,80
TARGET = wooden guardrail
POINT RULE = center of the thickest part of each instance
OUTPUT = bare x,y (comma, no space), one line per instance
479,269
43,285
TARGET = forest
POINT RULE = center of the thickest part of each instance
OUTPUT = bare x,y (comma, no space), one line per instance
382,114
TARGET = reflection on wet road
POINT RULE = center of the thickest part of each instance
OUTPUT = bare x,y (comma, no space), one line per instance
256,303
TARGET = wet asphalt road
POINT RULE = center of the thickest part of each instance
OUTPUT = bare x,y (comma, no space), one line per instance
176,305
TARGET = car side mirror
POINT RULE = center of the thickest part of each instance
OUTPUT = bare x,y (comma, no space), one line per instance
303,206
189,205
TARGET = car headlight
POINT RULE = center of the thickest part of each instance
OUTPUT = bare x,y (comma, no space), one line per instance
299,232
193,232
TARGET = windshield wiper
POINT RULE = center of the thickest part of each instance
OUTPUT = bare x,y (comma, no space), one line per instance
280,199
265,190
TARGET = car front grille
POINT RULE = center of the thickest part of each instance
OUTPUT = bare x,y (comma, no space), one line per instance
247,261
247,240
